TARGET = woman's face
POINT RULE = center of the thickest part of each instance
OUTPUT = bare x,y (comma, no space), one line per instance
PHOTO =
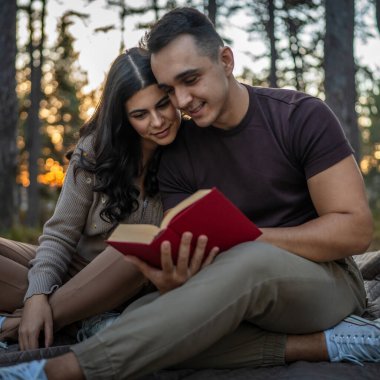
153,116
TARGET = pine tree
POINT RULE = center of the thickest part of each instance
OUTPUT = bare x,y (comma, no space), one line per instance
63,82
292,32
62,111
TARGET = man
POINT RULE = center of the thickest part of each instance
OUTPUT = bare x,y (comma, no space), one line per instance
282,158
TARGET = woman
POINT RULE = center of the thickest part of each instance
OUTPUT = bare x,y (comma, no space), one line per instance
111,179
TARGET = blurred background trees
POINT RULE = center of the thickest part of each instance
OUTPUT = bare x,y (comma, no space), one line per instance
307,45
8,112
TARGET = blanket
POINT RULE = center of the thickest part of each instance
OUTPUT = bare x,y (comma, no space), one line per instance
369,265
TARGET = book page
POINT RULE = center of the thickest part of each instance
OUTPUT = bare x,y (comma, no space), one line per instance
182,205
134,233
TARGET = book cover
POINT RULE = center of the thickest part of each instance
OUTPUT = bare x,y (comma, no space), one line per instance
206,212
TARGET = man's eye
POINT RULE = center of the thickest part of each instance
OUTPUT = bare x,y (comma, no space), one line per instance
190,80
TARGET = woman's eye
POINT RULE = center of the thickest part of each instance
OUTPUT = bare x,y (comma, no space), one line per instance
164,104
138,116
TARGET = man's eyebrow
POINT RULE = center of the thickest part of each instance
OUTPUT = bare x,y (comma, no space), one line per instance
185,74
179,77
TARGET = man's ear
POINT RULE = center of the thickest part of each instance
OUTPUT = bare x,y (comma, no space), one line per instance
227,59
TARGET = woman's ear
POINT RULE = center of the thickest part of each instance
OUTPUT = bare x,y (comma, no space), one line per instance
227,59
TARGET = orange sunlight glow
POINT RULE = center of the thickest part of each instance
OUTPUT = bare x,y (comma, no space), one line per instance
54,174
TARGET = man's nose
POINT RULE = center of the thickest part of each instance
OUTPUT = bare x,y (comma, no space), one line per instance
182,98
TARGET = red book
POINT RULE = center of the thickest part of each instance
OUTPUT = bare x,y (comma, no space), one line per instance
206,212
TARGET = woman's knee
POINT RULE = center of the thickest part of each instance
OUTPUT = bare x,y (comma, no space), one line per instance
16,251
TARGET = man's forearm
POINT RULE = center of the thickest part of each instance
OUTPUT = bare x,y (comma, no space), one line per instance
329,237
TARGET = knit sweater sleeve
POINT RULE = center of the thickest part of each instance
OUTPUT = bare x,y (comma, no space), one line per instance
62,231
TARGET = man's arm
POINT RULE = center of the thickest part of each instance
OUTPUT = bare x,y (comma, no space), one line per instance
344,226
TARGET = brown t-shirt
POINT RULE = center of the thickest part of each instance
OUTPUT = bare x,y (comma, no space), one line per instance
262,164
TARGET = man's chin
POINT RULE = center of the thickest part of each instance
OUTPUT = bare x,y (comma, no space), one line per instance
202,122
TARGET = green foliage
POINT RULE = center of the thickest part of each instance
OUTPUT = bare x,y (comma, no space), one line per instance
298,32
61,113
66,80
23,234
376,237
368,109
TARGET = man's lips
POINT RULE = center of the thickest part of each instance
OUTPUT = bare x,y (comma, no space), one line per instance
193,111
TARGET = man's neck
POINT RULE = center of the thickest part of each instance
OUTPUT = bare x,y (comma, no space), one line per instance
236,107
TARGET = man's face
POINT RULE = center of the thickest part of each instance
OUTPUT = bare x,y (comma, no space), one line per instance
196,84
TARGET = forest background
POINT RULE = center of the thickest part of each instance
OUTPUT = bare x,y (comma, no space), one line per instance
51,72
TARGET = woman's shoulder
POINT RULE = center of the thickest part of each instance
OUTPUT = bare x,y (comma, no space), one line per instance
85,146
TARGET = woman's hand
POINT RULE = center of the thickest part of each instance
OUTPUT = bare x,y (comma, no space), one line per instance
36,316
172,276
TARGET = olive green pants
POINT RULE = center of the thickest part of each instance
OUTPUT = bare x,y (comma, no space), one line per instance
235,312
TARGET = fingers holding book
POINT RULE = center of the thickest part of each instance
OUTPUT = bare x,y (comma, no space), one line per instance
198,260
189,262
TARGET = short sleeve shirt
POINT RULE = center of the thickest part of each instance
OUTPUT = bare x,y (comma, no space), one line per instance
262,164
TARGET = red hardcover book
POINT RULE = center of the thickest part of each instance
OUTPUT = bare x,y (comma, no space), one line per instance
206,212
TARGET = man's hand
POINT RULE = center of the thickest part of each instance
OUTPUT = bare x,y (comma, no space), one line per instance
36,316
172,276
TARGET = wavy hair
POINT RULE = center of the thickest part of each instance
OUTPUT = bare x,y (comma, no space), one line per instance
117,157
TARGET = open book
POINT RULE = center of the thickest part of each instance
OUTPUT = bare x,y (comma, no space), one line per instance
206,212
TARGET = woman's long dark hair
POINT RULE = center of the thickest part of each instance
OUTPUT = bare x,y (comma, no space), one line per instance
117,146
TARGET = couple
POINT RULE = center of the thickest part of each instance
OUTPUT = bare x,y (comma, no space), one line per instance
279,155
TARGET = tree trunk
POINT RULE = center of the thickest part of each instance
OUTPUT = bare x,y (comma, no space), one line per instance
8,112
340,66
211,11
156,10
33,124
298,61
377,3
272,43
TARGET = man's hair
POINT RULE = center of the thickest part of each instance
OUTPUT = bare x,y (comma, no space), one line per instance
182,21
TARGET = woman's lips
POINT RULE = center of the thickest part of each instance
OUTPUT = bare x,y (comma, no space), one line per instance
162,134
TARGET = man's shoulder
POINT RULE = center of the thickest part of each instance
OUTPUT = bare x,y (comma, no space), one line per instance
288,96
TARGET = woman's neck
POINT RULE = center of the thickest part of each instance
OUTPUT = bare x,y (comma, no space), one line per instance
148,149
